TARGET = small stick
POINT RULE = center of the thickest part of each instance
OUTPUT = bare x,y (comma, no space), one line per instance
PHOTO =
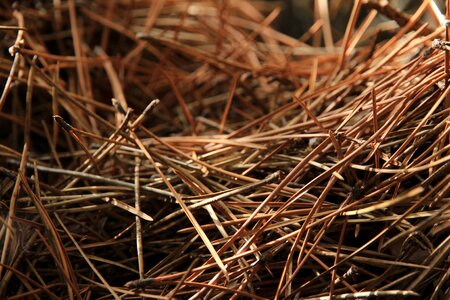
228,104
6,89
4,27
70,130
55,105
29,98
137,195
102,179
375,128
348,32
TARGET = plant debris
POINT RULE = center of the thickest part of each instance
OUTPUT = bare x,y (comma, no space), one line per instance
188,150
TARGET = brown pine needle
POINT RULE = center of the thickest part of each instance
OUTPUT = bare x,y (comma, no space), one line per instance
267,167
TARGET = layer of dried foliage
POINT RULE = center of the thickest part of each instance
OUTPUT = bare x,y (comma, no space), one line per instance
268,168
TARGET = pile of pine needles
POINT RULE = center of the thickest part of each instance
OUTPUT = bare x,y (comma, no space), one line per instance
186,149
